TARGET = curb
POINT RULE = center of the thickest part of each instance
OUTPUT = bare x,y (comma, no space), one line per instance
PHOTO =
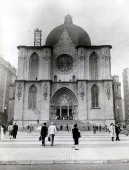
41,162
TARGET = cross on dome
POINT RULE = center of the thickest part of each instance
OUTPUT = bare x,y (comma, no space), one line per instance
68,20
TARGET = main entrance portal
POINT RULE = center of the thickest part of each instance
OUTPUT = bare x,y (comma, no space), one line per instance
64,105
64,112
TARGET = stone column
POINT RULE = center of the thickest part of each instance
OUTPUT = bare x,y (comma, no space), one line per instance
60,112
68,113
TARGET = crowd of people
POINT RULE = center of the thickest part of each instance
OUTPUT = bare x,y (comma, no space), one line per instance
51,130
115,131
12,131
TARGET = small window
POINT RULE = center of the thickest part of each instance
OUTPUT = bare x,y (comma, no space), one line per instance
33,66
94,96
93,65
32,97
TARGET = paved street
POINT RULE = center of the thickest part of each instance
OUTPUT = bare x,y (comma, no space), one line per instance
66,167
26,149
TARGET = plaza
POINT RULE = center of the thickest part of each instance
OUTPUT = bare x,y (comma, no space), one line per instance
94,148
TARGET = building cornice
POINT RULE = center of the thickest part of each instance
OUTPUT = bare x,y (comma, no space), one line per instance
39,81
94,46
34,47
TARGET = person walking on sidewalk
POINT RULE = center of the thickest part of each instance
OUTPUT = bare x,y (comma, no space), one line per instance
15,130
1,132
10,130
67,127
76,135
117,130
44,133
112,131
51,133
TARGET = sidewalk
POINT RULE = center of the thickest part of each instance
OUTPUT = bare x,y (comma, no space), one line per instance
93,152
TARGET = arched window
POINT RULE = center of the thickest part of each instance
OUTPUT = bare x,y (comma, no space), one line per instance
34,66
55,77
32,97
93,66
95,96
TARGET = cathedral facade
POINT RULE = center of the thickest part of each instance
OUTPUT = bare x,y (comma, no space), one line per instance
66,79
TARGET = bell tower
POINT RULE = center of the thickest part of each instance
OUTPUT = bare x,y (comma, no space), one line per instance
37,37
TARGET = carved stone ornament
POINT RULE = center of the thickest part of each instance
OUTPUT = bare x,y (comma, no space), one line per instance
19,91
45,91
108,91
46,54
81,90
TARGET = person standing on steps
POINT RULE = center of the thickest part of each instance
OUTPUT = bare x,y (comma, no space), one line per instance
44,133
76,135
67,127
52,132
10,130
1,132
15,130
117,130
112,131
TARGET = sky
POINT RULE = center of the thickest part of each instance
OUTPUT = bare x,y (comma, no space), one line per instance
106,22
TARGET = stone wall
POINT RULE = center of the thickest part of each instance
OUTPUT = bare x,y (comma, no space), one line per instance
22,112
105,109
44,55
104,68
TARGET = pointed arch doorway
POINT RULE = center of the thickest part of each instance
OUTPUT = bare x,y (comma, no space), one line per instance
64,105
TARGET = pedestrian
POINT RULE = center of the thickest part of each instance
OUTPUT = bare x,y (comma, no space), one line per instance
28,128
31,128
94,129
1,132
15,130
112,131
10,130
106,129
61,127
51,133
88,128
117,130
100,128
67,127
44,133
76,135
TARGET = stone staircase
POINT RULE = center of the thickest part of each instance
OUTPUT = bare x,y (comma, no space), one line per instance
83,125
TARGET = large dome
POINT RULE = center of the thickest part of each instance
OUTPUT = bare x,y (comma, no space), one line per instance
77,34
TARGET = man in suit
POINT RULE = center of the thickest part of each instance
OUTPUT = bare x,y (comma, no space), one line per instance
117,129
15,130
44,133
